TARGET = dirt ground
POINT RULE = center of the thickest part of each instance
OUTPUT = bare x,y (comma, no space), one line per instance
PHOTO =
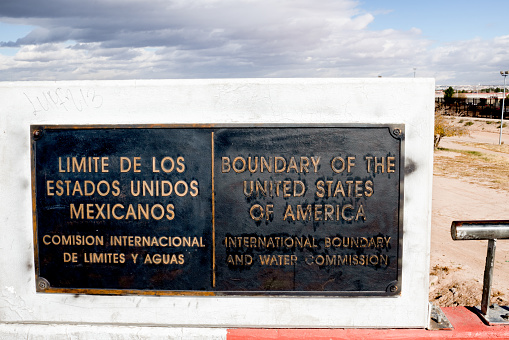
471,181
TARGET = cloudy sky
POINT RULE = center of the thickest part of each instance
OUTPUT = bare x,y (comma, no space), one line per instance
455,42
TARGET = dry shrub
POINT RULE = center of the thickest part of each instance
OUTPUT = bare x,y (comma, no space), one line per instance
443,128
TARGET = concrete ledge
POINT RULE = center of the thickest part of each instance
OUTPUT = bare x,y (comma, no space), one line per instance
19,331
467,325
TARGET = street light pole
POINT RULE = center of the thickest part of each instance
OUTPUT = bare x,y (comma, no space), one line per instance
504,74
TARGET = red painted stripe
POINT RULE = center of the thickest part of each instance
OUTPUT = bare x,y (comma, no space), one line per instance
467,325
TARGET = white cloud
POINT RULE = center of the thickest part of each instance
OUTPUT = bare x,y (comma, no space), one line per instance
121,39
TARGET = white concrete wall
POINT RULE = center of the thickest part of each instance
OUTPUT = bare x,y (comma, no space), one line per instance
389,101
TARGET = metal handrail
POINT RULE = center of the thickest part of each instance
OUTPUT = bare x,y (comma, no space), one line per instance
491,231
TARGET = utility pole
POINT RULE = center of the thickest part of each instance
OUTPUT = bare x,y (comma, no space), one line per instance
504,74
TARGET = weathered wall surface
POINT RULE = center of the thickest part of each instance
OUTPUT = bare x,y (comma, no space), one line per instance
248,101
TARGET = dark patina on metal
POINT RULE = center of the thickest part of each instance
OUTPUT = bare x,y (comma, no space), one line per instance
213,210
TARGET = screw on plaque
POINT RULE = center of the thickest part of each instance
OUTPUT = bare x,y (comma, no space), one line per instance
42,284
37,134
392,287
396,132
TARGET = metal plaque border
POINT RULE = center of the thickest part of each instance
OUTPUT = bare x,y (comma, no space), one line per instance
396,130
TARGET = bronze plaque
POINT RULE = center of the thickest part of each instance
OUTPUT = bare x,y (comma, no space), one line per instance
215,210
